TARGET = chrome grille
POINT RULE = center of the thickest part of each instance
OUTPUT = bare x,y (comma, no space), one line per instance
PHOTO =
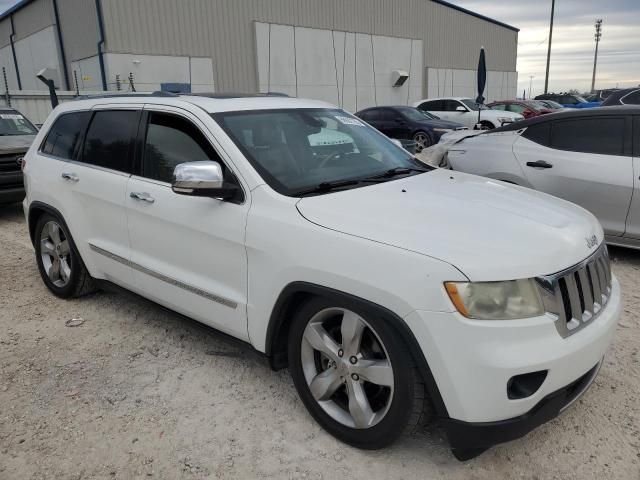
577,295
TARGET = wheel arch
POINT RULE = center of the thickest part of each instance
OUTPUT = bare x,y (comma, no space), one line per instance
296,293
36,210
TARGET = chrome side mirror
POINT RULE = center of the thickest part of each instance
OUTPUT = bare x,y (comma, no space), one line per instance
460,108
202,179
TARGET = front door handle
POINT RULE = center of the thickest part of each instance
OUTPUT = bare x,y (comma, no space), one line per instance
72,177
539,164
142,196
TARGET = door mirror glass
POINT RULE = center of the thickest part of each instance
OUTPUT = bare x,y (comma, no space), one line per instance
202,179
460,108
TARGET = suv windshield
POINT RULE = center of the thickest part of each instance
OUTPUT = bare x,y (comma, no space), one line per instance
473,105
12,123
300,151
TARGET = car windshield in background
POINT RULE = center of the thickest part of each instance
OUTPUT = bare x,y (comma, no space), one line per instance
415,115
580,99
473,105
12,123
308,151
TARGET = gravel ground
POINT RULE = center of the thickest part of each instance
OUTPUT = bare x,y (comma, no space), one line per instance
138,392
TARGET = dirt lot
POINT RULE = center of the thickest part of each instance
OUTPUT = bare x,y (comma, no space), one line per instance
136,392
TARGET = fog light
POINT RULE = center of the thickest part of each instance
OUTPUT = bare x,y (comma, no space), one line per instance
523,386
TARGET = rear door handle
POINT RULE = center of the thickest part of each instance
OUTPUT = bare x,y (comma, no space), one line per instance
539,164
142,196
72,177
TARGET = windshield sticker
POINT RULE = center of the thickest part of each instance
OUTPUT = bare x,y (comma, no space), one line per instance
349,121
11,116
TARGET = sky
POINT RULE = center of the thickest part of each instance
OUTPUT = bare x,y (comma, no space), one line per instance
573,43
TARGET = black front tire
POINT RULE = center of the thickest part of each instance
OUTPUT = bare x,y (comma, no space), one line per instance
79,281
408,406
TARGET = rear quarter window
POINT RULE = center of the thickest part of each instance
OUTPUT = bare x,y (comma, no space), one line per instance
65,135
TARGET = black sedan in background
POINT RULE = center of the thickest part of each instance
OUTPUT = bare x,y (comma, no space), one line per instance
408,124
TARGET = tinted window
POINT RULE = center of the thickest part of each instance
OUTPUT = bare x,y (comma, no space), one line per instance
451,105
632,98
539,133
172,140
636,136
65,134
109,140
568,100
433,105
590,135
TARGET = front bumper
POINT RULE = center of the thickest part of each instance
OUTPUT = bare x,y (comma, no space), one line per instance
472,362
469,439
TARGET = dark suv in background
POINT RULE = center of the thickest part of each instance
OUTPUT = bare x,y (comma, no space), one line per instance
16,135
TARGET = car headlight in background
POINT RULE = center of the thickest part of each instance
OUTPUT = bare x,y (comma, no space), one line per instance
496,300
442,130
506,119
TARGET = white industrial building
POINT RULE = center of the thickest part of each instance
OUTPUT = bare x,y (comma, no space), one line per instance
353,53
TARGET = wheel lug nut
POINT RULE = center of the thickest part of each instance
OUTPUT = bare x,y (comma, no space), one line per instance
340,353
353,360
355,376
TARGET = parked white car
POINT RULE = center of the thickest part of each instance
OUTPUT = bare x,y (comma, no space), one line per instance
392,291
465,111
583,156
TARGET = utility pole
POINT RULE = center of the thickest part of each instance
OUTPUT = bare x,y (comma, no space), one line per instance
597,36
531,77
546,78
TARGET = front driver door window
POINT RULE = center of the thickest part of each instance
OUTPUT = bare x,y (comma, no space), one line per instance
187,253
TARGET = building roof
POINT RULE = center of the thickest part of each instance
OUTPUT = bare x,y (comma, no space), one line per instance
23,3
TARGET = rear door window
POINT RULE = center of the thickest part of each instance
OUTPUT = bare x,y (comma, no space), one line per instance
110,139
64,137
603,135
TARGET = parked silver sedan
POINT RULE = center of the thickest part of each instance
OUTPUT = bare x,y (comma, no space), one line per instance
588,157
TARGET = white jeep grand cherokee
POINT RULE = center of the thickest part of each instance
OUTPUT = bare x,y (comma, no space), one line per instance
391,290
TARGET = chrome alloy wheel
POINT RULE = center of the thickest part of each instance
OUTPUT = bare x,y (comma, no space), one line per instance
347,368
55,253
422,141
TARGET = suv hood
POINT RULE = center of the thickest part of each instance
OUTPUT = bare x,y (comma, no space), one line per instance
488,229
15,143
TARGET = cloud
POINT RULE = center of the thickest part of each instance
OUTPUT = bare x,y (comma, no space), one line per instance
573,42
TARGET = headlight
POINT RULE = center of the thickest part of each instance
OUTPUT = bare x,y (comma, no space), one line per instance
442,130
505,119
496,300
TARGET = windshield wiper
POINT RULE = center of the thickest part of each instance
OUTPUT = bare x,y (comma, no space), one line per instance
325,187
396,171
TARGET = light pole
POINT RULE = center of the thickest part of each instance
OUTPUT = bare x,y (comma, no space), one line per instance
597,36
546,78
531,77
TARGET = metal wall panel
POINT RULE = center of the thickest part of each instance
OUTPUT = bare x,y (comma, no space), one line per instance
32,18
79,25
224,31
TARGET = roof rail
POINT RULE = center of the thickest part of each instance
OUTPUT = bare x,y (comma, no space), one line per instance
126,95
222,96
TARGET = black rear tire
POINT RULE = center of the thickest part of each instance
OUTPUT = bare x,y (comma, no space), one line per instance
407,407
78,282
